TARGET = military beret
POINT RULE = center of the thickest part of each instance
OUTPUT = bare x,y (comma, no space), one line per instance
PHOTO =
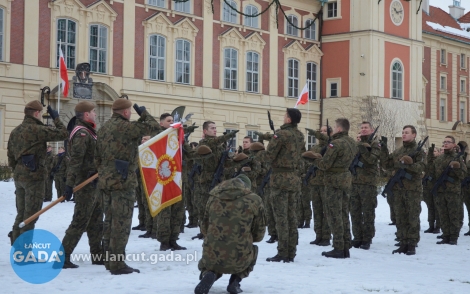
257,146
245,180
203,150
240,157
311,155
84,106
121,103
34,105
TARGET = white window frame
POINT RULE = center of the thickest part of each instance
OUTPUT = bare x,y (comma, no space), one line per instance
334,9
462,112
311,141
293,71
329,83
442,109
311,32
251,21
443,56
2,34
443,82
463,85
251,133
185,75
101,49
184,7
65,44
231,69
291,30
397,80
251,72
157,3
234,147
2,119
228,14
463,61
158,59
312,78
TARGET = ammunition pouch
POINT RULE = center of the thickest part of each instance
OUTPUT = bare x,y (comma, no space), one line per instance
122,167
29,162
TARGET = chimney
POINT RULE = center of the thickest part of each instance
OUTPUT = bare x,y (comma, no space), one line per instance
455,10
425,6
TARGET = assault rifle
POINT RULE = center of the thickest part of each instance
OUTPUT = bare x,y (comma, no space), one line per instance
219,172
312,171
444,177
357,159
426,179
401,173
266,179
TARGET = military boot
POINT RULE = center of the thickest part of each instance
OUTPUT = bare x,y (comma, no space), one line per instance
138,227
10,235
123,271
453,242
301,225
365,245
467,233
307,224
436,230
133,269
439,237
356,243
316,241
175,246
205,284
277,258
181,229
199,236
411,250
324,242
146,235
402,249
431,228
68,263
164,246
272,239
234,285
335,253
444,240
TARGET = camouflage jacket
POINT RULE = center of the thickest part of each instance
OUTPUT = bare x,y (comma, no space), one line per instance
118,139
427,171
441,163
369,172
30,138
390,162
60,170
48,162
319,174
251,162
234,219
339,155
466,188
284,153
82,155
209,163
264,166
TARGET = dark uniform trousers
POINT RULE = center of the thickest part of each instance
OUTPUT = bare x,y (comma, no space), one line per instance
48,195
320,223
433,215
449,205
337,211
363,202
29,199
286,221
169,222
407,205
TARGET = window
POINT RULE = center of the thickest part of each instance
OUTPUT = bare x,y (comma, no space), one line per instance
462,111
253,136
66,32
157,57
463,61
312,80
397,80
158,3
231,68
183,61
442,110
251,21
230,15
443,56
311,141
332,9
334,90
252,72
292,78
98,45
1,34
443,83
462,86
232,144
182,6
310,32
291,30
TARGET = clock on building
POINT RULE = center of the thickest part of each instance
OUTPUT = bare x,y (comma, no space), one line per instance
397,12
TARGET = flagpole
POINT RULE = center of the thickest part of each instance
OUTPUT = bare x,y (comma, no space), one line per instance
308,104
58,91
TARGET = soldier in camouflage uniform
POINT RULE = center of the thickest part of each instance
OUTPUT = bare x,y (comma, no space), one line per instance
247,141
428,183
249,165
87,215
233,220
140,203
26,153
337,180
189,187
449,199
317,192
363,197
48,165
284,152
406,200
59,170
116,160
466,196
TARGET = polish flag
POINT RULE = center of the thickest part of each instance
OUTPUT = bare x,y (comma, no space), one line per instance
63,74
303,97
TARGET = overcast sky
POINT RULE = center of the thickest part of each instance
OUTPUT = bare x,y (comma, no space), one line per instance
444,4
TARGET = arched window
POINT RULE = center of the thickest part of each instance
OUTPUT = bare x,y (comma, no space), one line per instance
291,30
183,61
310,32
312,80
230,69
98,48
230,15
251,21
66,37
157,57
252,72
397,80
292,78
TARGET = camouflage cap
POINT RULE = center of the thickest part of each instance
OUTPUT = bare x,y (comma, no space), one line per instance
34,105
311,155
121,103
203,150
240,157
84,106
257,146
245,180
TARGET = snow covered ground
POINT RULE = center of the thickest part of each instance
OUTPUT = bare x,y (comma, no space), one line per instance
434,269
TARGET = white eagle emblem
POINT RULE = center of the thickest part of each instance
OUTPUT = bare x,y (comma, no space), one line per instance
164,169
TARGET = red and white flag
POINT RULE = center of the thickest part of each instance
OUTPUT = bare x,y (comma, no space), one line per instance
303,97
63,74
160,161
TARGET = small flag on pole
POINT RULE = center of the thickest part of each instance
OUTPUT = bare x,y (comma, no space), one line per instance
63,74
303,97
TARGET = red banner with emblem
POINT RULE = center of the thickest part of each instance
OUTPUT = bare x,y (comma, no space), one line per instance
160,160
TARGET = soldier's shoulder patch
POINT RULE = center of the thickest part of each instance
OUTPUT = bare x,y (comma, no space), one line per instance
275,136
331,145
82,134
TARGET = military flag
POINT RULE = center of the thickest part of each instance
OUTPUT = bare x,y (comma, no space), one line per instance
64,77
160,161
303,97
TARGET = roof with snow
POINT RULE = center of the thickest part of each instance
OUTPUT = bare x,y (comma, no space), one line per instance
439,22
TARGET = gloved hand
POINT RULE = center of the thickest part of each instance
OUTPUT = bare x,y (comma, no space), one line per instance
53,113
311,132
139,109
259,134
383,141
431,149
68,193
454,164
406,160
240,149
233,133
246,169
191,129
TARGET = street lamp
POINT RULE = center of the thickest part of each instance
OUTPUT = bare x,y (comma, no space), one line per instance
45,115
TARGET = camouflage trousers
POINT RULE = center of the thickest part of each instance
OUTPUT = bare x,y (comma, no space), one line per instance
320,223
190,204
29,199
284,204
393,216
118,210
59,186
243,274
449,205
433,215
87,217
466,200
407,205
268,203
362,205
48,195
337,214
149,221
140,202
201,197
304,209
169,222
